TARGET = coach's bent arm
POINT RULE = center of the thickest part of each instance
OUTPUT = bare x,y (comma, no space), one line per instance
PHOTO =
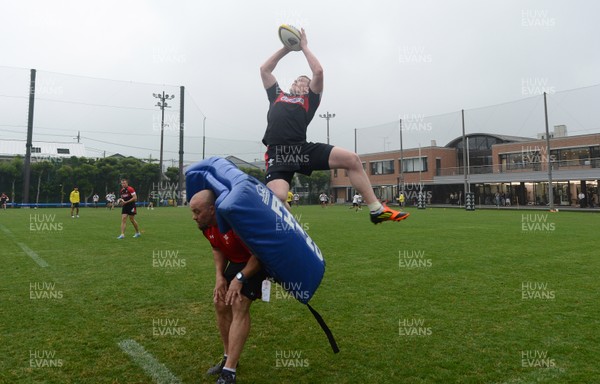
220,282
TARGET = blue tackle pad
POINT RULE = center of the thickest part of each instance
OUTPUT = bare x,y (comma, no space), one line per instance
260,219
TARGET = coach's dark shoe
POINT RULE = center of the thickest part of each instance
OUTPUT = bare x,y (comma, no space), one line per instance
217,368
226,377
388,215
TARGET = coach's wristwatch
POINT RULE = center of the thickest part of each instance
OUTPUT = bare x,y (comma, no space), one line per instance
241,278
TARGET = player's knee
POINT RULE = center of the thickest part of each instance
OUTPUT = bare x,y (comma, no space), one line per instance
352,161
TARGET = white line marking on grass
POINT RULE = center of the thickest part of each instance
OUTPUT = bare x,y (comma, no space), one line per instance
31,253
41,262
155,369
5,230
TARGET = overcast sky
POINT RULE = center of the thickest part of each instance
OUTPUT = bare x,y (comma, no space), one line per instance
383,60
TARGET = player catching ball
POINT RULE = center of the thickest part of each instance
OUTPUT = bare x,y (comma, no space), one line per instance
127,200
287,149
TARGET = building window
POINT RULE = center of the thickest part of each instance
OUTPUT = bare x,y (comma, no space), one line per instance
414,165
335,172
572,156
385,167
63,151
526,160
36,150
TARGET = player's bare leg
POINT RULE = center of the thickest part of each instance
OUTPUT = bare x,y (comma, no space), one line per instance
238,331
123,224
344,159
280,188
135,225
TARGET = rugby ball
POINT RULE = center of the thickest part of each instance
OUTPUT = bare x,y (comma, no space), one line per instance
290,37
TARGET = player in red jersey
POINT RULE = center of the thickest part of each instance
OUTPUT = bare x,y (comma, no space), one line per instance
288,152
239,277
128,199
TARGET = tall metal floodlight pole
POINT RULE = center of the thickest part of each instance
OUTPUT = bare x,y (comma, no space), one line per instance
464,143
327,116
181,131
28,145
162,104
550,189
401,186
203,136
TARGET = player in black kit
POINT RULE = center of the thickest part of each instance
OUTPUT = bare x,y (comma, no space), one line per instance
287,150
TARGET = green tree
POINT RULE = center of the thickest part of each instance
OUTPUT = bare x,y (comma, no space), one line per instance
38,171
10,173
172,175
317,182
255,172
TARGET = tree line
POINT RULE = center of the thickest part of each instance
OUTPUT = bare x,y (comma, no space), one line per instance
52,180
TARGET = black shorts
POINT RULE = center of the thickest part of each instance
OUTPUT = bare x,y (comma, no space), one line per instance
283,160
75,205
252,288
129,209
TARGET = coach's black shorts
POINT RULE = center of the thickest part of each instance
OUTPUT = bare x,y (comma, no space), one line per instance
129,209
283,160
252,288
75,205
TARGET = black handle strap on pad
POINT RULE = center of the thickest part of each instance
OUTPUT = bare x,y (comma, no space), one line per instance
325,329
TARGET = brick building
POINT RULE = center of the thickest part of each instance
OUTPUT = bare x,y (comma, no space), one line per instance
515,167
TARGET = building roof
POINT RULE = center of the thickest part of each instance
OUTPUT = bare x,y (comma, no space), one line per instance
240,163
41,149
502,138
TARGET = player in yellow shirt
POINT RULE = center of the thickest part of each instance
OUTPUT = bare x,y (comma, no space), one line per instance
74,199
290,197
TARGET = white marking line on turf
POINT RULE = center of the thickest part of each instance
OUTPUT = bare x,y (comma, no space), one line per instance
6,230
41,262
155,369
31,253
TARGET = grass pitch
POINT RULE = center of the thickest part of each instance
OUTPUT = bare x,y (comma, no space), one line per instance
447,296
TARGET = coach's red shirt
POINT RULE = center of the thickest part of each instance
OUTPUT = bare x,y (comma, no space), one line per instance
230,244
